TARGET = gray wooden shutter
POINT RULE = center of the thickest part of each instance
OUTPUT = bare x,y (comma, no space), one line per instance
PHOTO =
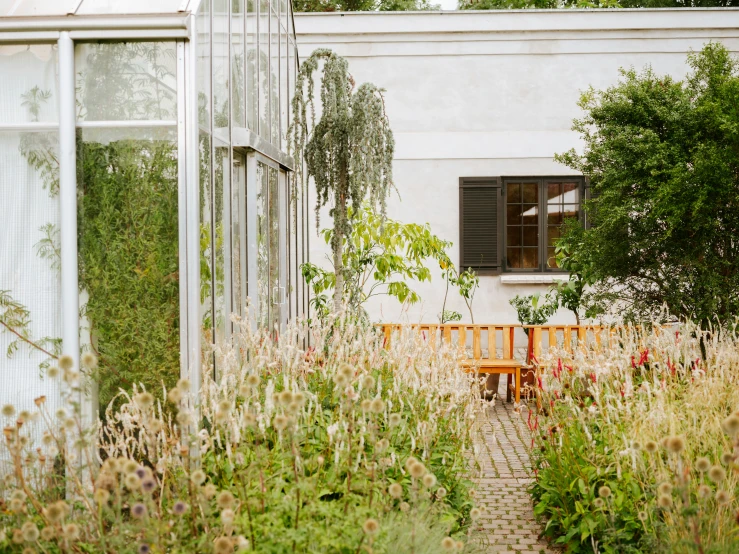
480,224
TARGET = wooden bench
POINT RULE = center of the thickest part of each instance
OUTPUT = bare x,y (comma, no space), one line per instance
567,336
474,358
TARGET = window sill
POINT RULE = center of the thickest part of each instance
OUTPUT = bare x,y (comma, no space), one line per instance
533,278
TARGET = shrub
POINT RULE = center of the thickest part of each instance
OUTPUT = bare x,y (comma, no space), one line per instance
628,438
339,447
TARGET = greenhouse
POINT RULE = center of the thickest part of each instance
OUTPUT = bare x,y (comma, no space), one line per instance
147,188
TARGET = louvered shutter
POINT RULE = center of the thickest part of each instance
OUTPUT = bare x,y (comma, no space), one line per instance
480,224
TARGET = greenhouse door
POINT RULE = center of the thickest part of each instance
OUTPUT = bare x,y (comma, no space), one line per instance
267,204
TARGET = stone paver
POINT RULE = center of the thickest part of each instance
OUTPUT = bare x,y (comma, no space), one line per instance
508,523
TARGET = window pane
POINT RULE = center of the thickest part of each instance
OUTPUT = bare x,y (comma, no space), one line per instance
274,76
531,236
530,215
128,255
513,214
126,81
28,88
513,236
551,259
238,54
554,190
552,235
554,215
252,92
284,93
263,244
530,193
530,258
513,192
29,264
274,248
220,70
514,258
570,211
264,83
222,206
238,236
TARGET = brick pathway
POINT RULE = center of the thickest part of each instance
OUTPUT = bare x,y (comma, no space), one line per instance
507,523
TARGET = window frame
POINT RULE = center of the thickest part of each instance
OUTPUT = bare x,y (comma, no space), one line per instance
542,182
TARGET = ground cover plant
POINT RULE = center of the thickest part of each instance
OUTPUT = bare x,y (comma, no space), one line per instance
636,444
342,447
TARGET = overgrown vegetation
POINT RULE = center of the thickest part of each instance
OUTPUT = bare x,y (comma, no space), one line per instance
355,449
636,447
662,160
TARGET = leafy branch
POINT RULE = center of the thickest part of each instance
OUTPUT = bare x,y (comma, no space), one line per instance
16,320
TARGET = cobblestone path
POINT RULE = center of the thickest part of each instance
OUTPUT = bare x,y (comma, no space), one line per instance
508,523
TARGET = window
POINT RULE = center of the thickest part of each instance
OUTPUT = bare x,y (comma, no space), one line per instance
512,223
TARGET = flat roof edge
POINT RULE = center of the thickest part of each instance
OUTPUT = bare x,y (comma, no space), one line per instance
95,22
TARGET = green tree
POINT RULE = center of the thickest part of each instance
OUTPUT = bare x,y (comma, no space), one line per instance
348,151
555,4
663,160
363,5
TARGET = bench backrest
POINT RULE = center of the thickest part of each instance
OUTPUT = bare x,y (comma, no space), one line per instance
478,342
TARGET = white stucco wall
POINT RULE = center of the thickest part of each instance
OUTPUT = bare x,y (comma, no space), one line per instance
491,94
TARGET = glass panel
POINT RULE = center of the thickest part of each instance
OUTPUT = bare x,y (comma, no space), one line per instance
530,214
554,216
128,256
28,89
284,93
531,236
513,214
29,268
514,235
570,211
238,236
220,70
274,76
126,81
274,249
552,235
252,93
92,7
514,258
291,79
551,259
263,273
238,53
513,192
530,193
263,62
222,205
553,192
530,258
36,7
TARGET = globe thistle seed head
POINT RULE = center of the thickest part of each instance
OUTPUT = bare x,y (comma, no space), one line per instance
731,425
144,400
395,420
138,510
285,397
410,461
417,470
223,545
642,515
429,480
368,382
395,490
635,445
132,482
365,404
71,531
717,474
227,516
53,372
224,406
174,396
184,385
604,491
371,526
404,506
48,533
448,544
440,493
225,500
8,410
723,497
179,508
140,472
664,501
144,548
66,362
377,405
664,488
252,380
209,491
703,464
89,360
130,466
599,503
704,491
148,485
727,458
30,531
101,496
56,511
675,444
280,422
475,514
198,477
651,447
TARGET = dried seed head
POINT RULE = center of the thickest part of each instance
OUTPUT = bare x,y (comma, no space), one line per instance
664,488
71,531
66,362
382,445
132,482
604,491
174,396
52,372
57,511
209,491
448,544
347,371
228,516
395,490
664,501
635,445
285,397
675,444
249,419
144,400
198,477
138,510
651,447
365,404
643,516
225,500
395,420
409,462
252,380
280,422
144,548
101,496
8,410
404,506
731,425
89,360
417,470
368,382
704,491
223,545
224,406
599,503
717,474
148,485
184,418
179,508
723,498
377,405
48,533
429,480
440,493
30,531
184,385
703,464
371,526
475,514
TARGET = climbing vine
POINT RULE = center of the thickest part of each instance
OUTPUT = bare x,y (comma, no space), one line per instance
348,151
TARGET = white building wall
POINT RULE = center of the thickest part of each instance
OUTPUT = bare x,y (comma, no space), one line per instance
491,94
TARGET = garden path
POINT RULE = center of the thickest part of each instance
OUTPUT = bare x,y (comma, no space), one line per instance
508,523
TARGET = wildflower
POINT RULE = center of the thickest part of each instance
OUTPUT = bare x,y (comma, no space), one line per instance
138,510
429,480
52,372
39,401
299,398
320,459
604,491
16,505
459,545
346,371
210,490
371,526
148,485
129,466
198,477
704,491
222,545
731,425
184,385
71,531
48,533
144,400
702,464
30,531
404,506
56,512
473,493
475,514
395,420
651,447
395,490
440,493
665,488
61,413
252,380
368,382
722,497
642,516
101,496
377,405
285,397
132,482
280,422
664,501
365,404
8,410
717,474
244,390
227,516
417,470
727,458
675,444
225,499
144,548
179,508
341,379
66,362
89,360
635,445
599,503
71,377
448,544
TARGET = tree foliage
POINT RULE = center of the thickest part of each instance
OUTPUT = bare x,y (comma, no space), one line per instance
363,5
663,160
557,4
348,152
